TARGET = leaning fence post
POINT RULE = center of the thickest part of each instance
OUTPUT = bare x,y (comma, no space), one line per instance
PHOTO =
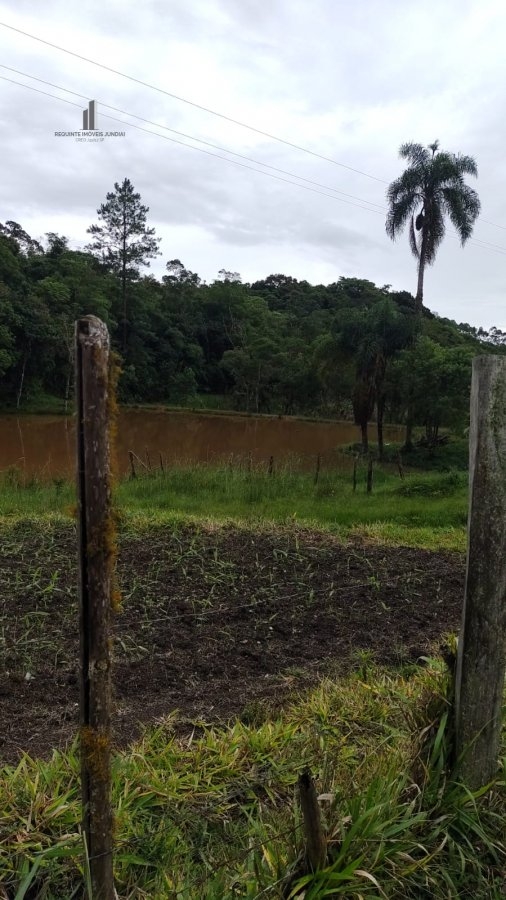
132,464
96,560
481,651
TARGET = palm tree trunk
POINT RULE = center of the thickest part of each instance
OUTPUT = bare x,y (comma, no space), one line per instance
421,273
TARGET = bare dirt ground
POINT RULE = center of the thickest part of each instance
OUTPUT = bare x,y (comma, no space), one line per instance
214,622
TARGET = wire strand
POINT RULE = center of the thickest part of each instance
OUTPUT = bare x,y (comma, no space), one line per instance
206,109
372,207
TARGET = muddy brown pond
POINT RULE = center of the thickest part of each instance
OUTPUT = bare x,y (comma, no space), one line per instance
45,445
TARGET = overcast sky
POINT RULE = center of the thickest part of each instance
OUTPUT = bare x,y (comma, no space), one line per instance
347,80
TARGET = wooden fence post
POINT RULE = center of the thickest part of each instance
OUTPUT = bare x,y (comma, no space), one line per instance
96,549
369,475
316,844
355,463
162,468
317,473
481,652
271,465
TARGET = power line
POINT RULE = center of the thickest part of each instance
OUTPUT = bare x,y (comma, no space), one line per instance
193,138
200,149
212,112
379,210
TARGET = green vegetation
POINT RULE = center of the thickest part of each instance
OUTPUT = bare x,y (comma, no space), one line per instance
209,809
398,509
214,816
278,345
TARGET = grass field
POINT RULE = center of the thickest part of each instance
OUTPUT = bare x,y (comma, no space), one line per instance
208,809
425,509
215,815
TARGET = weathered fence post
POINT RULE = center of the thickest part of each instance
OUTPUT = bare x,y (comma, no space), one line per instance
482,643
317,472
162,468
271,465
369,475
96,560
316,844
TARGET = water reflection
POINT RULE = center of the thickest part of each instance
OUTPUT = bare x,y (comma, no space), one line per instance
45,445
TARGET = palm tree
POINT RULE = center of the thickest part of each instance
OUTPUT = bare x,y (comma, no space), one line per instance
431,188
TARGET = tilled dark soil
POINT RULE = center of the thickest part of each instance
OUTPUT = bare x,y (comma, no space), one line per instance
214,622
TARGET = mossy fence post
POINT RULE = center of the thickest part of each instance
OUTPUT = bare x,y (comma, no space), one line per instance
482,644
96,559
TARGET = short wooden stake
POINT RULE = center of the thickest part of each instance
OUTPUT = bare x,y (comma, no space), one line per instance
161,464
355,463
317,472
96,559
271,465
481,654
369,475
316,844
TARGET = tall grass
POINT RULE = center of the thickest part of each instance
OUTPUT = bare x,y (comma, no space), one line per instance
214,813
434,502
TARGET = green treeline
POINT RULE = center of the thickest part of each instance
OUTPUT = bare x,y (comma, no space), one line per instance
279,345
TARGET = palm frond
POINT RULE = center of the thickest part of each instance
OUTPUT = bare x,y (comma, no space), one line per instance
434,180
400,210
466,165
462,205
412,238
417,154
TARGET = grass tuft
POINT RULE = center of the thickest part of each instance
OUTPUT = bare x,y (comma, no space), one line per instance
214,814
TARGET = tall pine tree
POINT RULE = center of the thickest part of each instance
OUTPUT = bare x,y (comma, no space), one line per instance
123,241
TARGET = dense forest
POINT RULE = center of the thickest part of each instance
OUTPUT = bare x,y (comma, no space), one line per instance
278,345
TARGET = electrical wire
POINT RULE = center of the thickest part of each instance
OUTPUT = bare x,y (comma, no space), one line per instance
206,109
199,149
371,207
212,112
193,138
